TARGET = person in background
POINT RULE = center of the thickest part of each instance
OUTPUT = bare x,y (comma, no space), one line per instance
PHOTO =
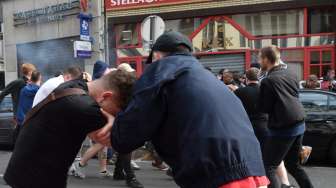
100,68
228,81
329,82
280,100
312,82
221,72
281,170
26,99
238,79
249,96
70,73
14,87
123,167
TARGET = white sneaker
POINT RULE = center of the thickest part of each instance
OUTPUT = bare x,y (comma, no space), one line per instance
76,170
135,166
105,174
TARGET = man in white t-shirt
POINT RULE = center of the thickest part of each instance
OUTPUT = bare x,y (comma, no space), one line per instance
70,73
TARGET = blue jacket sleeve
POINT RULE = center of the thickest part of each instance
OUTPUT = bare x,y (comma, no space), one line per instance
138,123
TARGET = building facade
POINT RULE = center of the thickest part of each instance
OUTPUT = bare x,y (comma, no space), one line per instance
43,33
229,33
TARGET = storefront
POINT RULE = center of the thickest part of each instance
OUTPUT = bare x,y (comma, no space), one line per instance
44,32
228,34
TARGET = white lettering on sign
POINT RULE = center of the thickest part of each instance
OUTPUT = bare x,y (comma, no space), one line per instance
131,2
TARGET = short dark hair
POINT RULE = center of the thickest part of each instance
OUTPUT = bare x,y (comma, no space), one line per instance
74,71
252,74
121,82
272,53
36,75
223,71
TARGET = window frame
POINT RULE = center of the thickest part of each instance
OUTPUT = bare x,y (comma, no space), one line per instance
138,33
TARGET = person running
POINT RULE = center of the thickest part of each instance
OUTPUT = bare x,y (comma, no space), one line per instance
51,138
280,100
100,69
198,127
77,168
27,95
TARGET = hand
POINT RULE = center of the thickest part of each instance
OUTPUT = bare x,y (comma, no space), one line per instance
103,135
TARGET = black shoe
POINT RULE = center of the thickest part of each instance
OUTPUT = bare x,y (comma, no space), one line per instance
119,176
169,172
134,183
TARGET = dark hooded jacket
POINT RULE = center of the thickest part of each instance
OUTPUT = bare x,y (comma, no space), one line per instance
196,124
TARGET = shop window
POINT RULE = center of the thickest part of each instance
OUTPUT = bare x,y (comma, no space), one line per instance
273,23
294,60
186,26
219,35
320,61
321,20
127,35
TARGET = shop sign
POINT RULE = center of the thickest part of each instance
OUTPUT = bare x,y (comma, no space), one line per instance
82,49
47,14
129,4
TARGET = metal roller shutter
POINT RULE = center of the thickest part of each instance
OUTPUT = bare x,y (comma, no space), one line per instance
49,56
233,62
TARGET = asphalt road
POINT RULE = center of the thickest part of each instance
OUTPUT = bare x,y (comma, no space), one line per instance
322,177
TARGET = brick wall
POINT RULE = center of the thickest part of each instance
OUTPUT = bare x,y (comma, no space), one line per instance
185,7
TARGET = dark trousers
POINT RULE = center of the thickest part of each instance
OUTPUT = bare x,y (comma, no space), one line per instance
285,149
123,165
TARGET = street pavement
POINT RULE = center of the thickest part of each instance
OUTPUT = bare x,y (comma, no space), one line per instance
322,177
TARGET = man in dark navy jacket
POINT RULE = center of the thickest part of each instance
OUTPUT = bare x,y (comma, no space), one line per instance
196,124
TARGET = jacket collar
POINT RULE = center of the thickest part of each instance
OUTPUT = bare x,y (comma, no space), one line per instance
275,68
164,70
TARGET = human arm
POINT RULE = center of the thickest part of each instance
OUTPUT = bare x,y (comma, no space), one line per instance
103,135
10,88
136,124
266,97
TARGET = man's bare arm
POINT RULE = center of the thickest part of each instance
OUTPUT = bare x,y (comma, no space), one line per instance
103,135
